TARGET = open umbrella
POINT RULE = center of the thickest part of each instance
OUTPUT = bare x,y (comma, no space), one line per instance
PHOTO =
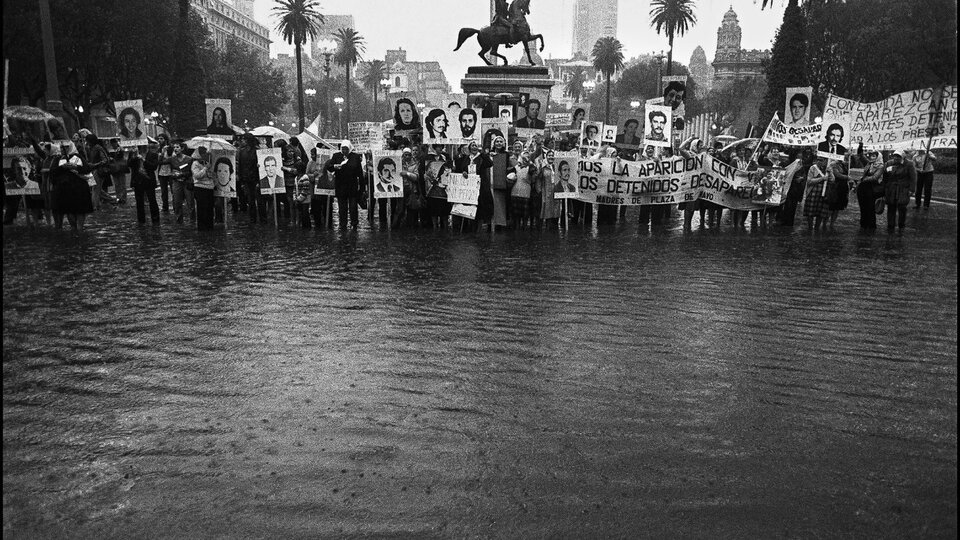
26,113
749,144
211,143
269,131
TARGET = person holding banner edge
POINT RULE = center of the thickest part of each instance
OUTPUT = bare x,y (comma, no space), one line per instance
349,183
899,180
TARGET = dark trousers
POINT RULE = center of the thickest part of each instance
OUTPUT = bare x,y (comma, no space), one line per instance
924,187
866,198
382,208
256,204
896,215
347,205
304,211
165,192
284,201
644,215
606,214
219,207
204,200
146,192
318,209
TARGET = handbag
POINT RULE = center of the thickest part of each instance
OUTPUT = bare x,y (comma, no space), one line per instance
879,205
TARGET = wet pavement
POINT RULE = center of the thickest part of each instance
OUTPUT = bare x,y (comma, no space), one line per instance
253,383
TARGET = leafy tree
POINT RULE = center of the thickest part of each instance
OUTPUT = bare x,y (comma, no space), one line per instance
187,82
257,91
674,17
788,59
350,48
299,20
608,59
372,77
574,85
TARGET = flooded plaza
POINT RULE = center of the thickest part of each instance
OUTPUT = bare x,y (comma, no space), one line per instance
160,382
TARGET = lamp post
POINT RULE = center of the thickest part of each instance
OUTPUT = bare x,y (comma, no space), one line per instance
385,83
311,93
634,105
659,58
339,101
589,85
326,48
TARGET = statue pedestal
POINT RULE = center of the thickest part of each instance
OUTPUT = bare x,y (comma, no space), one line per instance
493,80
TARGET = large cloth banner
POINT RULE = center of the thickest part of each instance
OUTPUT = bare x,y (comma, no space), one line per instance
779,133
387,183
463,190
678,179
219,117
903,121
271,178
129,120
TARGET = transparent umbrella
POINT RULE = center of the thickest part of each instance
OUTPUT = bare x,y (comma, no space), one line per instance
211,143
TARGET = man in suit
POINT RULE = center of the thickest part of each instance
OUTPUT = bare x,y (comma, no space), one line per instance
272,179
347,172
532,119
386,176
832,142
658,120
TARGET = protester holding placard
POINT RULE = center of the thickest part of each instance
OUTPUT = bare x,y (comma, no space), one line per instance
182,181
899,180
71,191
143,169
415,201
839,195
924,162
819,178
549,207
248,176
292,168
520,193
203,185
164,173
99,160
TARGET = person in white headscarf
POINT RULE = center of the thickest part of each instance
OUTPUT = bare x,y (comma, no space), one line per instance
870,188
70,188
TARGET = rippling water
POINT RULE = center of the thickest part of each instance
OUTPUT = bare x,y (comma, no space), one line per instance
160,382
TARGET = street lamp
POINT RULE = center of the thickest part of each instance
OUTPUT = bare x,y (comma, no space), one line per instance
385,83
339,101
326,47
659,58
589,85
311,93
635,104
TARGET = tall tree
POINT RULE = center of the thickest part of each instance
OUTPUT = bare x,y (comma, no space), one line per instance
788,60
371,79
574,86
188,81
608,60
299,20
257,90
350,48
673,17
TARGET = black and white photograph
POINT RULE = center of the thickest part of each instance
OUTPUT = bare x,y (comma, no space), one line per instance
565,269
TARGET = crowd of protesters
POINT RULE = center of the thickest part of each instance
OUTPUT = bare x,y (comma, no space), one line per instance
518,183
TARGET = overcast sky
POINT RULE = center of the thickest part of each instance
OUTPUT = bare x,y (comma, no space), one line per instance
428,29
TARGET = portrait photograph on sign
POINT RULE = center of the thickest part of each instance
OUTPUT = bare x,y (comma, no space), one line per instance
565,179
219,117
579,113
590,134
387,183
532,111
796,107
834,137
628,137
325,181
493,129
271,177
505,113
223,169
130,122
436,127
609,133
657,130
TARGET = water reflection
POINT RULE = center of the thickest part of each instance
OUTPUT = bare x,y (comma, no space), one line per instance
377,382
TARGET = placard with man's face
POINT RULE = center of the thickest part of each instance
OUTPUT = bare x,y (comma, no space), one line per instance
271,176
657,130
590,134
223,168
387,182
796,108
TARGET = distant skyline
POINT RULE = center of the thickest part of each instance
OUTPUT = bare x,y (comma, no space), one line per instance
429,33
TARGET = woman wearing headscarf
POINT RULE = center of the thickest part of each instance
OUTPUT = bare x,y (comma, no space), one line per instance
819,179
473,161
870,189
839,196
70,194
899,181
549,210
99,160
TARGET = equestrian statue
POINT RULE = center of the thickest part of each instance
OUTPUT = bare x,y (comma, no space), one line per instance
508,27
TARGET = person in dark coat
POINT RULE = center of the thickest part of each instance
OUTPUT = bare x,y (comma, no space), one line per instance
248,177
476,162
347,169
143,170
900,181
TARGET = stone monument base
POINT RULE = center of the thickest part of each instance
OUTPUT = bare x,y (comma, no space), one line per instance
493,80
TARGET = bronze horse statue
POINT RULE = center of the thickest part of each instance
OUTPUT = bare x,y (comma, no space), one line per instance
507,29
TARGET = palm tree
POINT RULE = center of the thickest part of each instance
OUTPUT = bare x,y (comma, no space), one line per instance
674,17
574,86
299,20
371,80
349,49
608,59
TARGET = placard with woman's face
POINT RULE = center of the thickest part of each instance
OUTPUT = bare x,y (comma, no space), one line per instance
223,170
219,117
130,122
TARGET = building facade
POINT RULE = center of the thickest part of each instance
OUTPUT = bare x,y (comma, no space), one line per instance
234,19
422,82
592,20
701,72
731,62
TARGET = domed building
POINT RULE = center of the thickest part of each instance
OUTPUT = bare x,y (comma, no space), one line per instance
731,62
701,72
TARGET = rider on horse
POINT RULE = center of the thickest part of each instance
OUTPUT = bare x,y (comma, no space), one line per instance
501,17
